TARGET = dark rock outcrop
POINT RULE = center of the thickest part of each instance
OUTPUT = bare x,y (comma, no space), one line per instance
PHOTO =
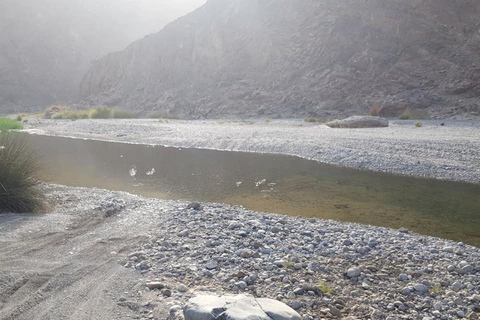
302,57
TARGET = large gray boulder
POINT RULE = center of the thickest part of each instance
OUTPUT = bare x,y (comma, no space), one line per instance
240,307
359,122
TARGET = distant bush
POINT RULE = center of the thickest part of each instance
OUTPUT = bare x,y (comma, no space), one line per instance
123,114
375,111
101,113
407,114
50,111
19,118
411,114
71,115
97,113
313,119
9,124
418,124
20,172
163,115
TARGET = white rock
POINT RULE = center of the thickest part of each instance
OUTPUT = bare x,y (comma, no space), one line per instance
239,307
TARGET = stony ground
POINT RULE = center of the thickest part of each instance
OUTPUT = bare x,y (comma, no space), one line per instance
323,269
111,255
448,151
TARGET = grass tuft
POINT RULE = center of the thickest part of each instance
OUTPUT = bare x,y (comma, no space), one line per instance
19,118
9,124
418,124
325,288
20,172
436,289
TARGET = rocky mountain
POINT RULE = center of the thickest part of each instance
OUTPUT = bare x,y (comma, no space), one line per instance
301,57
47,46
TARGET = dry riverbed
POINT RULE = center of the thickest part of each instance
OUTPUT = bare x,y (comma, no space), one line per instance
449,151
95,255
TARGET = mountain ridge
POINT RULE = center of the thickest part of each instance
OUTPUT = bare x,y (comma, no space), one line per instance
252,57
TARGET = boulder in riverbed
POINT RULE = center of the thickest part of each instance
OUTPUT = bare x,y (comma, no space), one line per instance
240,307
359,122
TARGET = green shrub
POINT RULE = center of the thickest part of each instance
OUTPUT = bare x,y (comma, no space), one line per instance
72,115
50,111
20,172
411,114
101,113
407,114
19,118
325,288
418,124
163,115
124,114
9,124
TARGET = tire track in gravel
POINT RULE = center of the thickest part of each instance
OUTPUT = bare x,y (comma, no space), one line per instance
62,266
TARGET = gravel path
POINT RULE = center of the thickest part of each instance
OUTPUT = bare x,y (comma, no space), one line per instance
112,255
450,151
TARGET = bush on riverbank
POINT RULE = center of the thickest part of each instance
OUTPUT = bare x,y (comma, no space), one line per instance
101,113
71,115
9,124
52,110
97,113
413,114
313,119
20,172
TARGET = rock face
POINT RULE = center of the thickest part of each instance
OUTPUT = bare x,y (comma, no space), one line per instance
46,46
302,57
359,122
239,307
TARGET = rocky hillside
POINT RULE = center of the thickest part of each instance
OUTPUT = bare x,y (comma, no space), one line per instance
47,46
302,57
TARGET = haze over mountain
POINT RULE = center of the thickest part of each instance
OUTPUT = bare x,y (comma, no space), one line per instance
46,46
301,57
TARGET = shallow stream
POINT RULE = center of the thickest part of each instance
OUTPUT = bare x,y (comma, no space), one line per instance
267,182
